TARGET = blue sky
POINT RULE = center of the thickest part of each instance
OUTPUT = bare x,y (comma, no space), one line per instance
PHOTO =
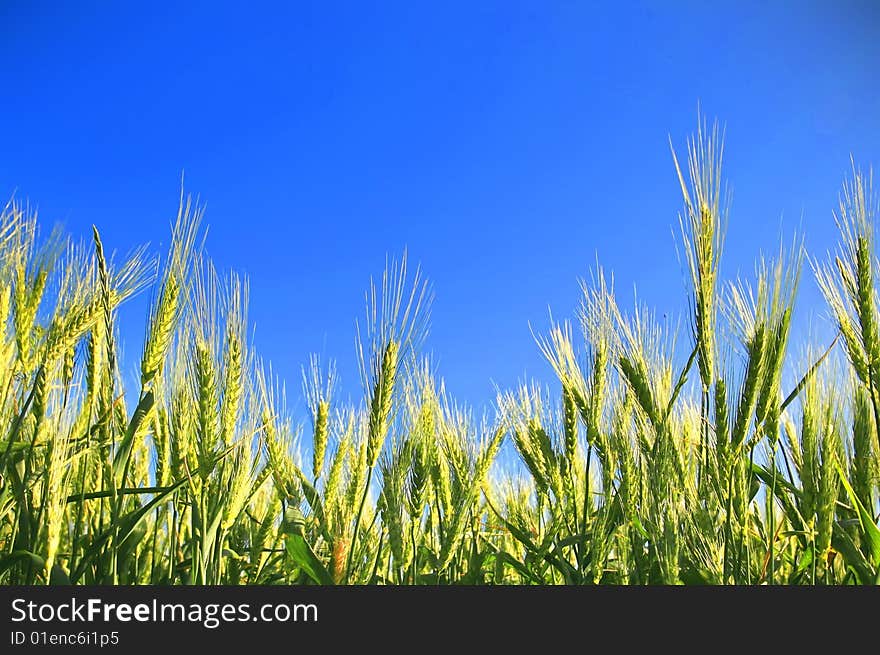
507,145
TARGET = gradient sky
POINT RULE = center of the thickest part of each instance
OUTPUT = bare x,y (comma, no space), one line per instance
508,146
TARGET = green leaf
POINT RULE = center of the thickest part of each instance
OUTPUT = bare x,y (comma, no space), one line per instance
806,378
128,548
16,556
855,560
682,380
870,532
518,566
314,499
59,576
17,446
783,489
125,526
299,549
539,552
123,455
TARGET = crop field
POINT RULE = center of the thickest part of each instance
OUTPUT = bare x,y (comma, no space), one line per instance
714,456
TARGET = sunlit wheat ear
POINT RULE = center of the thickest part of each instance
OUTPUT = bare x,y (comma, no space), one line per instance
172,289
30,264
597,312
175,450
205,390
11,217
278,438
760,315
864,458
559,350
245,479
318,385
488,444
455,430
421,413
721,422
234,358
440,471
161,329
645,361
203,338
75,310
420,466
522,413
124,279
57,483
7,346
820,454
357,469
107,299
848,281
393,467
396,324
754,337
703,225
334,484
786,275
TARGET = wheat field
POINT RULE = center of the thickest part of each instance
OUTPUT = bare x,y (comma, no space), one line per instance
655,458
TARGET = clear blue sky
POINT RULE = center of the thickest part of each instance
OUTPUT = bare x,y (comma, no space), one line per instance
506,145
